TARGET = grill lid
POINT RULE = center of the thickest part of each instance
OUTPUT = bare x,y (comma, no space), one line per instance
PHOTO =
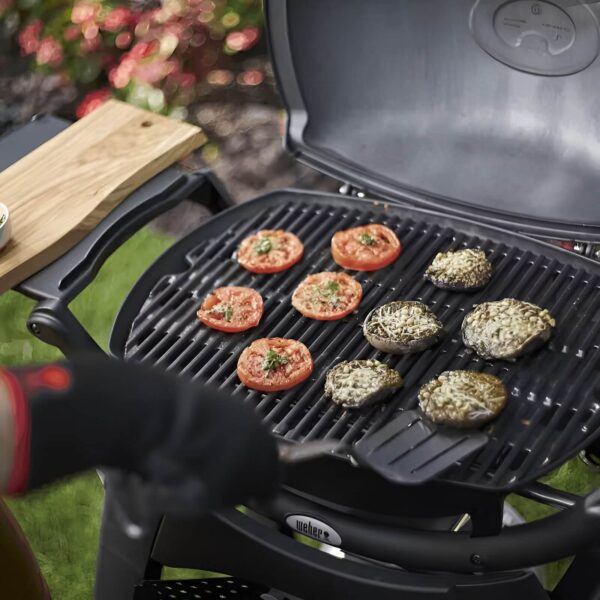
481,107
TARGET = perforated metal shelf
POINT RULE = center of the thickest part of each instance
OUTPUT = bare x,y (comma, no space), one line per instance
221,588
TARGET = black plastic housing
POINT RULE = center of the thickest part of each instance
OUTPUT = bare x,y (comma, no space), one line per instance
400,98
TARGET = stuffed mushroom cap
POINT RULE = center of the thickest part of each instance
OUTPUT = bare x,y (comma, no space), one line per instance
460,270
358,383
507,328
402,327
463,399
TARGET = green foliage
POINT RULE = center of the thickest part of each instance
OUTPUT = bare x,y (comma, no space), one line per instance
155,57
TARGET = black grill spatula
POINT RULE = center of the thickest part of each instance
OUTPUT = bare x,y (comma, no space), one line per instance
409,450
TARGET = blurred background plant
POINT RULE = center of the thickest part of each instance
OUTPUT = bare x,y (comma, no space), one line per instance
204,61
157,55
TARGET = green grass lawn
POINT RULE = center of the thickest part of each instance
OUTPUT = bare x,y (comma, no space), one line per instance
62,521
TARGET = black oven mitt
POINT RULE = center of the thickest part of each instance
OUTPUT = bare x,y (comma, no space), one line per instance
176,435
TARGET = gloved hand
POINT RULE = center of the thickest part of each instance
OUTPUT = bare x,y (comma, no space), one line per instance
176,435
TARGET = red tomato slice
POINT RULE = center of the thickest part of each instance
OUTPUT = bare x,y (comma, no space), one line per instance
274,364
270,251
327,296
232,309
365,248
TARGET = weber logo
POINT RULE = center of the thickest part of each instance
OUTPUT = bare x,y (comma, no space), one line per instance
315,529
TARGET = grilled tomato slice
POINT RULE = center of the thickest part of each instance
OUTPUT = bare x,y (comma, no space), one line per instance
327,296
365,248
270,251
231,309
274,364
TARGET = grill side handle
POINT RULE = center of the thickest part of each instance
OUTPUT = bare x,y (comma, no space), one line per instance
569,532
55,286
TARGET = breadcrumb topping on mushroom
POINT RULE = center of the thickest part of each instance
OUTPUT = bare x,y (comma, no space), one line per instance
463,399
466,269
506,328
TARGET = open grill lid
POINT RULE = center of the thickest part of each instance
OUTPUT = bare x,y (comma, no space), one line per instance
483,108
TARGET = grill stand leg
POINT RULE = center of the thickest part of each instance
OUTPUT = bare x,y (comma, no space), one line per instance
123,559
581,582
487,520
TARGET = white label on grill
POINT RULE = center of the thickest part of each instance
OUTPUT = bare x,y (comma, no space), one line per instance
314,528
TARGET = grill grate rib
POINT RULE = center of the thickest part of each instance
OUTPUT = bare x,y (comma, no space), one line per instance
553,407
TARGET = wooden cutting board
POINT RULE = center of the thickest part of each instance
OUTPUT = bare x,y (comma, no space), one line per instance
63,189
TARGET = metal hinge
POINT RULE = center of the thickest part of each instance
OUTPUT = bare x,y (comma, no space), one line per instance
584,248
347,189
589,250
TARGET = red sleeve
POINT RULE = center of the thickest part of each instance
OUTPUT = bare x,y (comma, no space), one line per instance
17,483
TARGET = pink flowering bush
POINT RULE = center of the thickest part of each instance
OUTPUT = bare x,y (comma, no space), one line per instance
156,55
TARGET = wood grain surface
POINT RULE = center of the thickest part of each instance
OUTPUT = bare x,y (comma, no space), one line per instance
63,189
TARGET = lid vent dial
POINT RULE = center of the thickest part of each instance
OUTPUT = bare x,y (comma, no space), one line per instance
537,37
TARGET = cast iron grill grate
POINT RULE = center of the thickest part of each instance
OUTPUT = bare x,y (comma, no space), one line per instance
554,402
219,588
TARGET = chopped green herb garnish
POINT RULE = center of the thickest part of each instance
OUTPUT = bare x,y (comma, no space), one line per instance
328,292
2,219
366,239
331,287
263,245
224,309
273,361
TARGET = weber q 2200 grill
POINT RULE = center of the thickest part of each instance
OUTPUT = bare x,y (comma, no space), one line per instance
462,123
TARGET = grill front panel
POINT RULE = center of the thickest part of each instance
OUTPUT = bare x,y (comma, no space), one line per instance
554,394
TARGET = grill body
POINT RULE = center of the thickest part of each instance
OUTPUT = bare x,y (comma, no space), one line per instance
224,542
553,407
